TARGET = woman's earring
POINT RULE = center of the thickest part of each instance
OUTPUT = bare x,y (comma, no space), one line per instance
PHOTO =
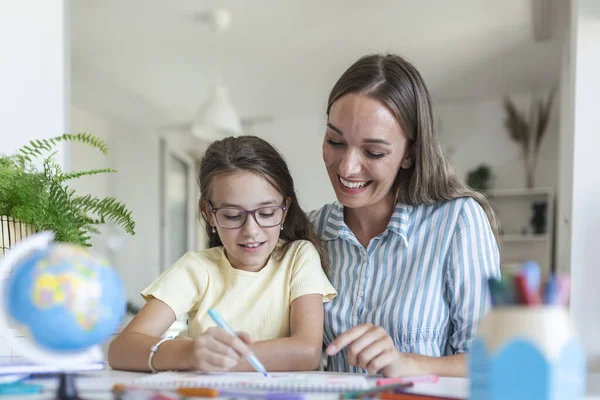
214,230
281,227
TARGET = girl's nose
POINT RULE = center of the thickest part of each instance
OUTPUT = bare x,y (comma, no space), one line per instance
250,226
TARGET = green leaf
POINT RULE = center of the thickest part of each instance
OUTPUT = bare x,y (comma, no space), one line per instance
43,200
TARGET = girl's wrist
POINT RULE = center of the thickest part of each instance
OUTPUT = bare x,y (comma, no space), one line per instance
185,352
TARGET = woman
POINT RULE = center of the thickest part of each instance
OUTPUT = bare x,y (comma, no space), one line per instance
411,246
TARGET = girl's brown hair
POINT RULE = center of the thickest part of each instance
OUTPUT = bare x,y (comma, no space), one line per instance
395,82
253,154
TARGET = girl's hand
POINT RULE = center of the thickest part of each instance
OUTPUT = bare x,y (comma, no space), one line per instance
217,350
371,347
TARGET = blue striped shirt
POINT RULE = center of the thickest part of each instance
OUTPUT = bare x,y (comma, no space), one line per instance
424,279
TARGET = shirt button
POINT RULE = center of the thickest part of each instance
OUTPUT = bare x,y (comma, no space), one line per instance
361,293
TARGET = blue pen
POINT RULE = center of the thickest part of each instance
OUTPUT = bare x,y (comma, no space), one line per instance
223,325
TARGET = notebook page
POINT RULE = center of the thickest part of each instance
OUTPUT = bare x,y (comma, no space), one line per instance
283,381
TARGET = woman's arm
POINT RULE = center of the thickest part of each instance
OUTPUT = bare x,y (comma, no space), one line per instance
302,350
371,347
472,259
214,350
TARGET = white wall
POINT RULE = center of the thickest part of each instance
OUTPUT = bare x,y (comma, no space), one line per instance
34,60
85,157
585,263
136,158
299,137
472,132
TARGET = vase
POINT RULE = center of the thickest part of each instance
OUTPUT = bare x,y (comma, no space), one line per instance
527,353
12,231
530,164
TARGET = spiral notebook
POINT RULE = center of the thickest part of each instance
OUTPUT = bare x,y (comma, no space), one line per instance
283,381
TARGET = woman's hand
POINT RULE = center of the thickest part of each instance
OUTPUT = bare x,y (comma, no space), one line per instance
217,350
371,347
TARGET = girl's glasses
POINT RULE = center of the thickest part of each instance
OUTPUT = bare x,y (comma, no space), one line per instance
233,218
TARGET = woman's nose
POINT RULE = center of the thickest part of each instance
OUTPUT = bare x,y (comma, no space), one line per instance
350,164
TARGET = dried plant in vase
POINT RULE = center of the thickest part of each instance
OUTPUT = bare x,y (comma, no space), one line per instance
529,132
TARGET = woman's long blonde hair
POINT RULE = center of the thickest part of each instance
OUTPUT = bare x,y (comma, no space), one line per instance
395,82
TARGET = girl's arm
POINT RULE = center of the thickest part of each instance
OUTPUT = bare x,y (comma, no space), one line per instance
213,351
302,350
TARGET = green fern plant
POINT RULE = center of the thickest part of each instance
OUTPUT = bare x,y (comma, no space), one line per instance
43,200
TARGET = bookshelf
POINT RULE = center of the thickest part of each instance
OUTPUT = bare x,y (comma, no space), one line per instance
518,240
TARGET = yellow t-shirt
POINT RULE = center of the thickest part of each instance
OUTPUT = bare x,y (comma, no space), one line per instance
254,302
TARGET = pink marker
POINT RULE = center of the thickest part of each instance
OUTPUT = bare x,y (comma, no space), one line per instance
564,289
414,379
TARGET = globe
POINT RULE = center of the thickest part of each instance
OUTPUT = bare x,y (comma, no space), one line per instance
65,298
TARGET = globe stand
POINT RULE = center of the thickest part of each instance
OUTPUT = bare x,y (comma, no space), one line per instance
67,390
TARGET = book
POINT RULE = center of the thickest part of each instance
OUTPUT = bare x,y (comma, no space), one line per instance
281,381
31,368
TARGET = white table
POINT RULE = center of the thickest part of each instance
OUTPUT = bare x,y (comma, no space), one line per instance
97,386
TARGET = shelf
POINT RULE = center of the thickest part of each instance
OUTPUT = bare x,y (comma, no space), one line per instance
517,238
522,192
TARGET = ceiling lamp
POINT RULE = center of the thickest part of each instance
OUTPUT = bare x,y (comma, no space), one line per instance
217,117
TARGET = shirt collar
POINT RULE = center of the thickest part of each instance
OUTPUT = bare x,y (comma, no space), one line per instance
336,227
399,221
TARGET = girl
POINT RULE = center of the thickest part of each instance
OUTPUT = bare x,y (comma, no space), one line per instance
263,273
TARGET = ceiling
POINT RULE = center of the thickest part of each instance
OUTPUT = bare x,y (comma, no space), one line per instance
151,61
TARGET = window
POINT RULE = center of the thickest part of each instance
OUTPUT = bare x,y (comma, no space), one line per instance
178,197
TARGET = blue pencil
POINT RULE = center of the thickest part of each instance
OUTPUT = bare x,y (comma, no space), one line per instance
223,325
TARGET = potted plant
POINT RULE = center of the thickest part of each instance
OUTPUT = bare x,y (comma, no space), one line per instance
39,198
479,178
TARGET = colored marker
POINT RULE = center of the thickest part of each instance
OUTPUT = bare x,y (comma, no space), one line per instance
533,275
374,391
198,392
415,379
20,388
499,292
153,392
412,396
551,291
564,289
524,295
263,396
223,325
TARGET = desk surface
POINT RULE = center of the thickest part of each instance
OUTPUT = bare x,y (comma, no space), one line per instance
97,386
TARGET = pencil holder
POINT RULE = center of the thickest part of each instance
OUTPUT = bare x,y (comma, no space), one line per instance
528,353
